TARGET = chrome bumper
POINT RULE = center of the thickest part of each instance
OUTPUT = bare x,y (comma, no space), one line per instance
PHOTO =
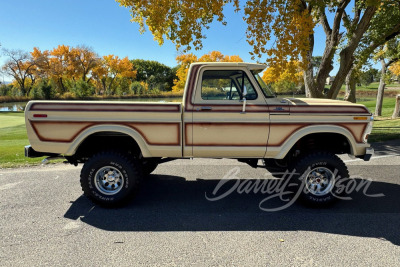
368,153
31,153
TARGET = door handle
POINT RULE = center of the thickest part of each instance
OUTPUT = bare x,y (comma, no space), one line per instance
206,108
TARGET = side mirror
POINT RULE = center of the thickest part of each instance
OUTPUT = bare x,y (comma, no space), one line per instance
244,100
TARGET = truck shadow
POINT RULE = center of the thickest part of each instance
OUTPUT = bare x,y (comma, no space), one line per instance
172,203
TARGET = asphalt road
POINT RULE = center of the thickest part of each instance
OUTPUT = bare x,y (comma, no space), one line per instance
45,220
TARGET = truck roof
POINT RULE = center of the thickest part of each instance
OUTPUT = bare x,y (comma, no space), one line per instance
250,66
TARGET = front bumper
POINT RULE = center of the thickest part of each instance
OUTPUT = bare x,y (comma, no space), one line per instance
31,153
369,151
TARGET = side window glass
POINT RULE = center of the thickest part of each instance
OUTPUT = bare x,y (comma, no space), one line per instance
226,85
251,92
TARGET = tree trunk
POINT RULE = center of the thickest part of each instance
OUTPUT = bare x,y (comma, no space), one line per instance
381,89
63,89
350,87
346,63
396,113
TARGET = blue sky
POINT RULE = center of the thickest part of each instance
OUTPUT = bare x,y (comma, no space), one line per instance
106,27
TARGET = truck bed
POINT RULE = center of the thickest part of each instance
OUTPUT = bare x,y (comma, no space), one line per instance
60,126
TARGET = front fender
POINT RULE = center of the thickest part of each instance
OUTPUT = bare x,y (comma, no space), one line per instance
281,151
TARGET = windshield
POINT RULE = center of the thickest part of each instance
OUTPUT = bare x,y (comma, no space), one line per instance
267,90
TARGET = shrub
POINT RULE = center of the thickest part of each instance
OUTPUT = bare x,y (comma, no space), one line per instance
137,88
5,89
82,89
43,90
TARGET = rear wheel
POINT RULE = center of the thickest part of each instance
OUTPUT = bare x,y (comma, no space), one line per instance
110,178
320,174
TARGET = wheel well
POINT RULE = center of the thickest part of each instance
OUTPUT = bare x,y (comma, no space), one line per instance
102,141
331,142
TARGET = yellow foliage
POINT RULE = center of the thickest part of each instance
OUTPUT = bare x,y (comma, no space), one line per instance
287,23
395,68
186,59
109,69
291,72
145,85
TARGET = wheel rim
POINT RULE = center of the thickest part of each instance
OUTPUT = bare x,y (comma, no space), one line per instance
109,180
319,181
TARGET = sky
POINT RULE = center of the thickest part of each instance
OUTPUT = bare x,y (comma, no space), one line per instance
105,26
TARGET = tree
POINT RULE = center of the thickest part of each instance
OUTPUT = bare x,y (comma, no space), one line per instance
43,64
284,30
160,73
60,68
112,69
316,62
395,69
287,81
20,66
369,76
185,60
388,55
82,60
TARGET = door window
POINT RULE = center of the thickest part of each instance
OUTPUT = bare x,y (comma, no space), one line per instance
226,85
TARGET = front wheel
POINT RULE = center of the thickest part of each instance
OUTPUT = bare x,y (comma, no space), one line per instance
321,174
110,179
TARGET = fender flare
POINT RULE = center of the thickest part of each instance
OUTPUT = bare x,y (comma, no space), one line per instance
314,129
137,137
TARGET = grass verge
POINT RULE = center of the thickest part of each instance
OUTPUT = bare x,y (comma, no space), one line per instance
13,138
385,128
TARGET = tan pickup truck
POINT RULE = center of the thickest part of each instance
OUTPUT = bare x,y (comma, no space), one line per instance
227,112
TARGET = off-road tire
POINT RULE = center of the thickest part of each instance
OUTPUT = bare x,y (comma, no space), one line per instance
110,179
319,175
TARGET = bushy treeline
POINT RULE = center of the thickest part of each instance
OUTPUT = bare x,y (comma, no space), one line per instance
78,72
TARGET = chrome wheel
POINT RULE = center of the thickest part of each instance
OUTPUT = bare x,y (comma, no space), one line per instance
320,181
109,180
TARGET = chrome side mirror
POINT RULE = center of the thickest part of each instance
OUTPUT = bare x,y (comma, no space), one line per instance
244,100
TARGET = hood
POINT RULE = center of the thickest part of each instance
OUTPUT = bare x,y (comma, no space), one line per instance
320,105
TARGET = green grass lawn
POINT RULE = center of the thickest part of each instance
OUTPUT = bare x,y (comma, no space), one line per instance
371,87
387,107
13,135
384,127
13,138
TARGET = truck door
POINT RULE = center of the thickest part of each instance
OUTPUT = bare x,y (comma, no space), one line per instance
220,127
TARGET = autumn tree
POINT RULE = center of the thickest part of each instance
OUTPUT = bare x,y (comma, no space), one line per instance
43,65
60,68
112,69
20,65
287,80
395,69
82,60
185,60
283,30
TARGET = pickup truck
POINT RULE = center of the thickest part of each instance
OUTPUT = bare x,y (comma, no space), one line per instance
227,111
